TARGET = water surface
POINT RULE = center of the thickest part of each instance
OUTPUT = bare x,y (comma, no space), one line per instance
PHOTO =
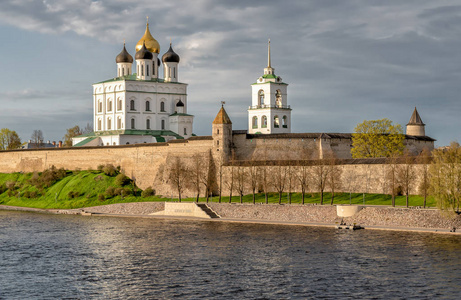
61,256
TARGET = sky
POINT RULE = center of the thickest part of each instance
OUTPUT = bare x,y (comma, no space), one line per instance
344,61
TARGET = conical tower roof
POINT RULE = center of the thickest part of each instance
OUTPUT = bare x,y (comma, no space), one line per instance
415,119
222,117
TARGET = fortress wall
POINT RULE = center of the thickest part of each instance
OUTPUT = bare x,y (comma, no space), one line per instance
143,163
261,148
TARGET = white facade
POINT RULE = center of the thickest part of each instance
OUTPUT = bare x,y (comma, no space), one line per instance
269,111
140,107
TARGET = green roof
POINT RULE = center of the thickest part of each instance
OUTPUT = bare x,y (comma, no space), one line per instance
85,141
270,76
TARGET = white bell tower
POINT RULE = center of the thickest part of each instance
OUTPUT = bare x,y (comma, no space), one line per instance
269,111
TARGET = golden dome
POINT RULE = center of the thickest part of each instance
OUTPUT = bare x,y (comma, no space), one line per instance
151,44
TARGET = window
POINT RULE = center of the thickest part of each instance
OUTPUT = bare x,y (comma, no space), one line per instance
133,124
285,122
153,69
109,105
185,131
109,124
119,123
163,124
132,105
148,124
147,70
162,106
119,104
278,98
174,72
264,122
255,122
276,122
147,105
99,106
260,98
99,124
218,131
123,71
142,70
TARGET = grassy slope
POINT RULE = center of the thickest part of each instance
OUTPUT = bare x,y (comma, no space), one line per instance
92,183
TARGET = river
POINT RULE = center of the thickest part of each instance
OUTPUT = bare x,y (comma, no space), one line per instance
73,257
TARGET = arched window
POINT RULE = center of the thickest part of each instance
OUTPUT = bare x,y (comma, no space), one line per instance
147,105
162,106
276,122
264,122
100,106
174,72
123,71
185,131
119,104
285,122
99,124
147,70
163,125
133,124
119,123
109,124
255,122
148,124
260,98
278,98
153,69
142,70
109,105
132,105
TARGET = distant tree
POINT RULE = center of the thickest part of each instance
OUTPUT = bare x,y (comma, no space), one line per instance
206,177
406,174
229,180
424,159
445,177
9,139
88,128
71,132
377,138
37,138
219,161
302,176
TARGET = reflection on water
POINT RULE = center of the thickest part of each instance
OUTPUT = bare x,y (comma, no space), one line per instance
49,256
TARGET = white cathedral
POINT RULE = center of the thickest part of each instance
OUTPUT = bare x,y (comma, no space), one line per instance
140,107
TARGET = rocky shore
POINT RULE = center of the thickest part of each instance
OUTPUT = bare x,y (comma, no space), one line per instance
370,216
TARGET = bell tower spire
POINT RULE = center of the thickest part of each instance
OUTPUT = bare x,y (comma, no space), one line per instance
269,70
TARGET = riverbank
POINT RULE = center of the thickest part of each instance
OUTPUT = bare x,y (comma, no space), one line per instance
370,217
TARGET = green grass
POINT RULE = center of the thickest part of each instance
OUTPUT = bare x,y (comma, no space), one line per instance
89,184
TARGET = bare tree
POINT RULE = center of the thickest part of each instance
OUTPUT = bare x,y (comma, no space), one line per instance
240,180
177,176
334,175
229,180
320,172
219,172
206,176
37,138
88,128
302,175
279,176
253,177
424,159
406,174
197,174
392,176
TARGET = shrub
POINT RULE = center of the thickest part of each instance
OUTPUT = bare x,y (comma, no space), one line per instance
10,185
99,178
52,175
26,194
110,192
101,197
33,194
148,192
123,192
3,188
100,167
109,170
122,180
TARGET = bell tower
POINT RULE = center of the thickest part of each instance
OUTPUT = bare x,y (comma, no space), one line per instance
269,111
